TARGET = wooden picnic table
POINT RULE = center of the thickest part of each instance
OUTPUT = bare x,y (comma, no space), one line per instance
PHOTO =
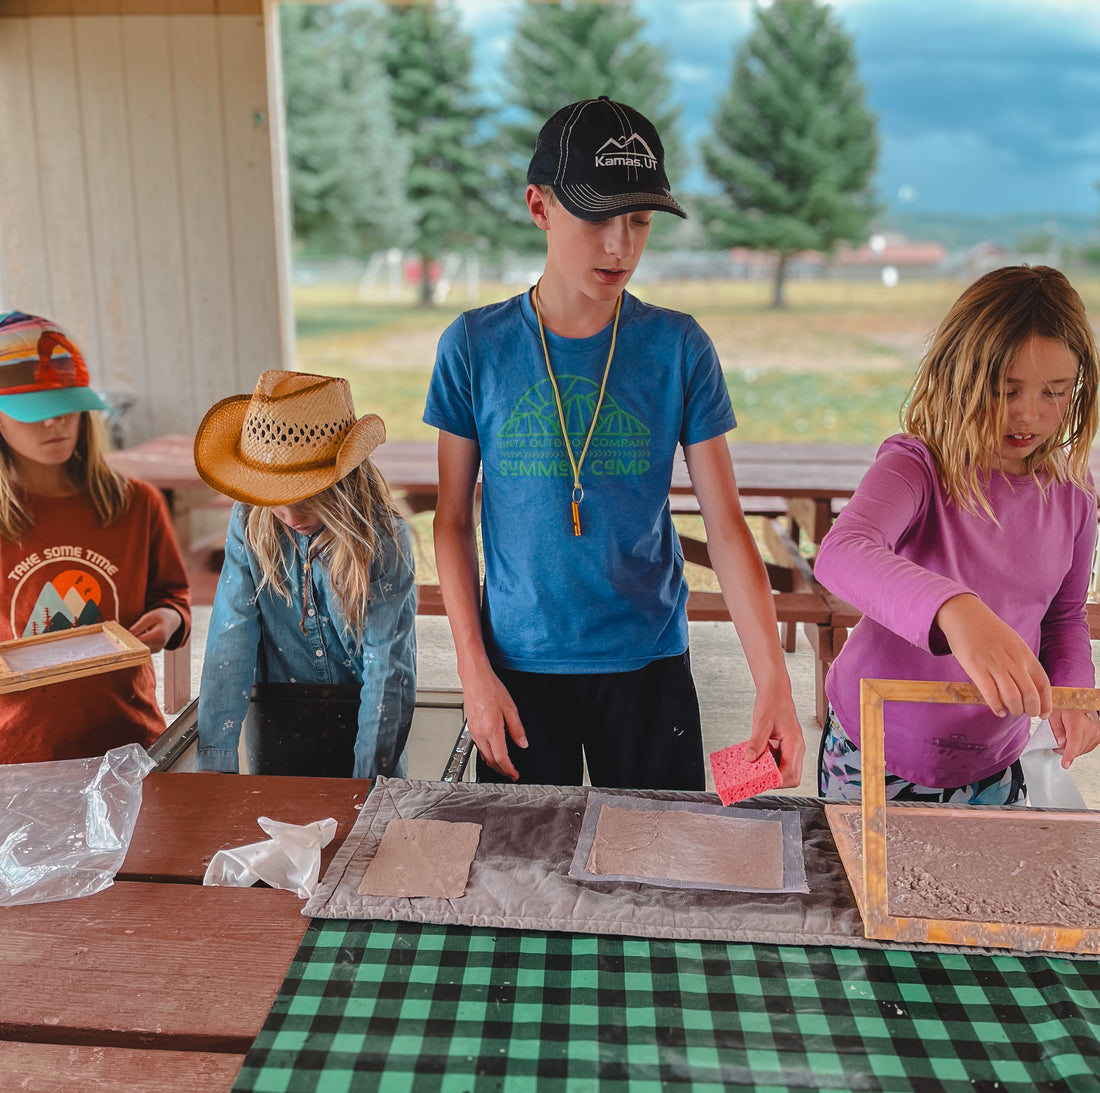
805,483
159,982
816,474
802,480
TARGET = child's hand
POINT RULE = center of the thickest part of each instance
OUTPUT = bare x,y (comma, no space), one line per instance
1076,732
775,725
995,657
489,711
156,627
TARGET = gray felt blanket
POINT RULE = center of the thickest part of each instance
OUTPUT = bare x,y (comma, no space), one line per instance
520,874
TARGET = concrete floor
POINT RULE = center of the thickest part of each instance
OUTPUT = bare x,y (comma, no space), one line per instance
721,677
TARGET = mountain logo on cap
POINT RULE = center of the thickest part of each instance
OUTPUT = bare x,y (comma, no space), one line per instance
631,151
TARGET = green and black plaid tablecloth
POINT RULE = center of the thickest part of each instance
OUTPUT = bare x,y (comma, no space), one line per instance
400,1006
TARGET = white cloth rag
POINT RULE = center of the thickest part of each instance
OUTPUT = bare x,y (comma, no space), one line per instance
290,859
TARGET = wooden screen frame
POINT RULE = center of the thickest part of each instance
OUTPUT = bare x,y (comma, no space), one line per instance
130,651
867,869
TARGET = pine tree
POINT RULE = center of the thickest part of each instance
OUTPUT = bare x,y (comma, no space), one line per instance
347,161
1091,251
565,52
430,63
794,145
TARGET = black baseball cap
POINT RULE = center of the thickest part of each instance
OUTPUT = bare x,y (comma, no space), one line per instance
602,159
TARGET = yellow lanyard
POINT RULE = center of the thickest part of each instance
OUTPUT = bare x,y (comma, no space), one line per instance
576,464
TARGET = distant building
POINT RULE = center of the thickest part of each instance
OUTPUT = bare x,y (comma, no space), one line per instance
888,259
908,259
885,258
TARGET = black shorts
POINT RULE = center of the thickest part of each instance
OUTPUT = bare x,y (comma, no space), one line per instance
636,730
302,728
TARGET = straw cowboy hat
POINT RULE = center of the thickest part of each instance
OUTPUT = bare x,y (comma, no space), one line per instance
293,437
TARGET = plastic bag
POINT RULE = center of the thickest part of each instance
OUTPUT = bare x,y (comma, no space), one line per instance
65,827
1049,784
290,859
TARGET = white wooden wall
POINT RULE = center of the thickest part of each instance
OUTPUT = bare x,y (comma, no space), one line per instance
143,197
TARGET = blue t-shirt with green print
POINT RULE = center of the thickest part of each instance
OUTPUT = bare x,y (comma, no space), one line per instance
614,598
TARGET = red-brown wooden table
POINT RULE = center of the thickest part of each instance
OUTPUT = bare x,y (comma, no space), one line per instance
810,478
159,983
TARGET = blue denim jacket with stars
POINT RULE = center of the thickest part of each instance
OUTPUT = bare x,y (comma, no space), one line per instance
258,638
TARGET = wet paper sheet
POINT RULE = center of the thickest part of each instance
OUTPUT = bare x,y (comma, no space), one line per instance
680,846
422,858
655,842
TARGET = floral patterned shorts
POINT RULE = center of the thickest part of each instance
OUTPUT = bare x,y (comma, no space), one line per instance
839,777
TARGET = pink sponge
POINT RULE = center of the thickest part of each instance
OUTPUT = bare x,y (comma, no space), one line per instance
735,779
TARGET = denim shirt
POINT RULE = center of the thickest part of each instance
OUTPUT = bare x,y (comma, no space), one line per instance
258,638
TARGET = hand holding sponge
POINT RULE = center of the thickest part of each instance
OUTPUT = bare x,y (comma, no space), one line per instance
735,778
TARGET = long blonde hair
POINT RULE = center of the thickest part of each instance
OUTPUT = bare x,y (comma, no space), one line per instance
356,513
87,470
954,404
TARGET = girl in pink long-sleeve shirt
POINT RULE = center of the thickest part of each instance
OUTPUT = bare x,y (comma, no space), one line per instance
969,545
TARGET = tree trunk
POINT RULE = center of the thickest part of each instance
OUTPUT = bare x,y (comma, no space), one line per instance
427,293
777,285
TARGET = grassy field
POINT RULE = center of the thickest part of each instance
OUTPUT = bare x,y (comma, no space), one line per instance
833,366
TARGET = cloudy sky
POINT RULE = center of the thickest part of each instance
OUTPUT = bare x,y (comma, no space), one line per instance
984,106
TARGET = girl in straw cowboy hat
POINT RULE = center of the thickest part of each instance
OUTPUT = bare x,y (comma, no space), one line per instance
79,544
314,615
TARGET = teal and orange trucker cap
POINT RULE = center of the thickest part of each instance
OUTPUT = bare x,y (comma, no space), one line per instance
42,372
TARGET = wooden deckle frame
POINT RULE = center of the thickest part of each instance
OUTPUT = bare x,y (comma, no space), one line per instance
63,663
867,869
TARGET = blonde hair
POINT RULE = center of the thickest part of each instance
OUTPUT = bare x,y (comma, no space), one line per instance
356,512
87,470
954,403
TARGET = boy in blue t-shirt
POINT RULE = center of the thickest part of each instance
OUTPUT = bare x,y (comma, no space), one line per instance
573,398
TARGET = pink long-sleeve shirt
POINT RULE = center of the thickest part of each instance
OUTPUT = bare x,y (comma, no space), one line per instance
901,548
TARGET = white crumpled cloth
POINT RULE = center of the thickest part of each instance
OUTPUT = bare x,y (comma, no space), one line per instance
290,858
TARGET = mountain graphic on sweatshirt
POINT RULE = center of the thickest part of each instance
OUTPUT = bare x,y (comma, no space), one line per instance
70,599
